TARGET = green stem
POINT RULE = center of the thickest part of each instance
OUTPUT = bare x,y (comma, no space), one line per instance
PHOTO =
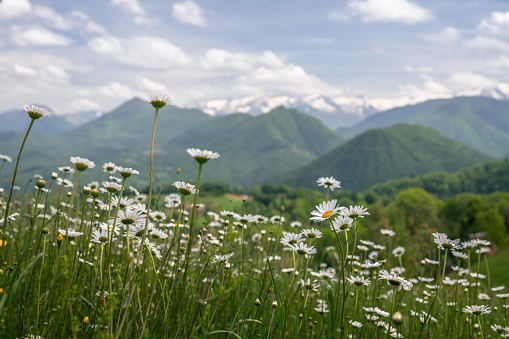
7,207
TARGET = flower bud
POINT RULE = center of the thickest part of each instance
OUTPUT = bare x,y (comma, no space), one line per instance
257,302
40,183
45,230
54,175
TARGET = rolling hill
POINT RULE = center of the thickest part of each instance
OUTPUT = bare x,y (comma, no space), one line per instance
253,149
380,154
479,122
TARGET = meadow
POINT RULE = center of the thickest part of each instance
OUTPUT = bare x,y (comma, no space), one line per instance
104,259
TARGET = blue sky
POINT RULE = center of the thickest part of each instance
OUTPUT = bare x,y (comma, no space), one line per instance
82,55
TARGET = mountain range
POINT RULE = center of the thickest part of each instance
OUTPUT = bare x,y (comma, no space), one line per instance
284,143
479,122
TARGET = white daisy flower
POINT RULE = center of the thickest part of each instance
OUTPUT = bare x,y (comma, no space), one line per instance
329,182
82,164
202,156
158,100
477,309
185,188
35,112
325,210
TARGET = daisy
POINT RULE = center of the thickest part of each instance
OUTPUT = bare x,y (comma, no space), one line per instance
355,212
101,236
295,224
221,258
202,156
341,223
109,167
398,251
311,286
327,274
445,243
158,215
85,262
245,218
172,200
304,249
358,281
158,234
329,182
260,219
389,233
289,239
325,210
82,164
276,219
126,172
122,203
35,112
158,100
311,233
5,158
131,216
355,324
477,309
394,280
185,188
111,187
69,234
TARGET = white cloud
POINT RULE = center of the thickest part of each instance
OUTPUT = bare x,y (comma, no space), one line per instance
290,79
486,45
39,36
115,89
189,12
80,105
337,16
13,8
390,11
448,36
469,80
152,86
52,18
220,59
497,23
24,70
130,6
270,59
141,51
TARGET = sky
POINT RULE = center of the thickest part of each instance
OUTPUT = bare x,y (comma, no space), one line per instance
76,56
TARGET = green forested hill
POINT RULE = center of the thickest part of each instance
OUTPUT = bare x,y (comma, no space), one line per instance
379,155
479,122
253,149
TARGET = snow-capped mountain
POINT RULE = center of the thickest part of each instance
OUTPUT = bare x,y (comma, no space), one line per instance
333,111
340,111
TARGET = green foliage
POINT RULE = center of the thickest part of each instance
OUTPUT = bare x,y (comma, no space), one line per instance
384,154
479,122
480,179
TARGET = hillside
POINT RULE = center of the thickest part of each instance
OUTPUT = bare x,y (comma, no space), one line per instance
484,178
478,122
16,120
253,149
379,155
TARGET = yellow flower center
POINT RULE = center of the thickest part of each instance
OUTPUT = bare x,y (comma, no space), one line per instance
326,214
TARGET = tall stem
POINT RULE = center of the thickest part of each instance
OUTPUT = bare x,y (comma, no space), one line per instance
7,207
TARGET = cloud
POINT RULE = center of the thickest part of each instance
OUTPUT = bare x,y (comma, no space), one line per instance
469,80
80,105
189,12
390,11
289,79
52,18
497,23
141,51
486,45
115,89
337,16
130,6
448,36
47,76
38,36
13,8
152,86
220,59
